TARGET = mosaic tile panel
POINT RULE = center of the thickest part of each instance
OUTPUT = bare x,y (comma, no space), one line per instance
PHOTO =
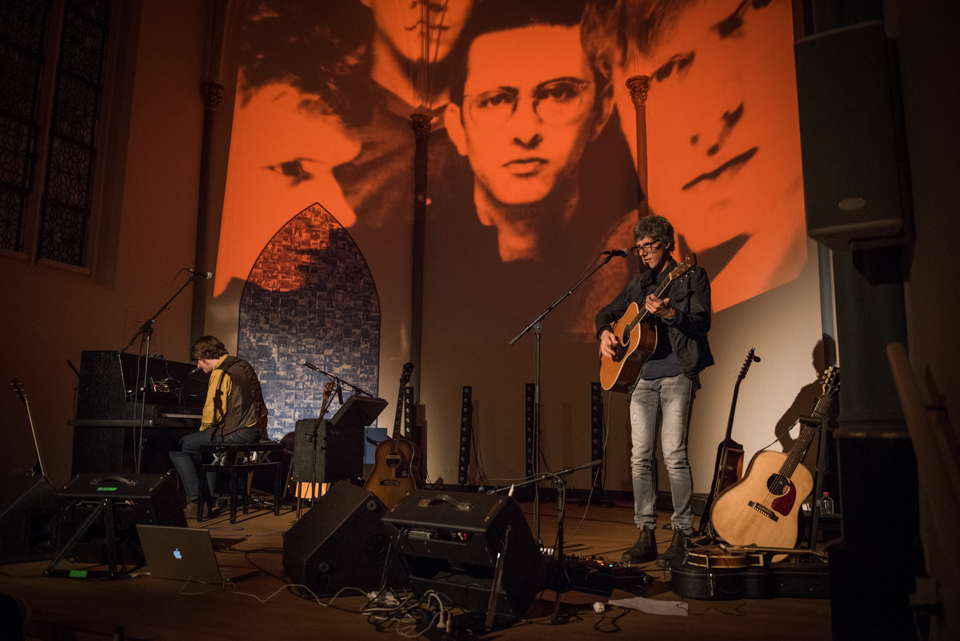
309,297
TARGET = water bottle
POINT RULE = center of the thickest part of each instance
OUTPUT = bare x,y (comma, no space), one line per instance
826,503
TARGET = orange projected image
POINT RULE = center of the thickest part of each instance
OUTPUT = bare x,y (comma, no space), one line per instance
724,143
531,154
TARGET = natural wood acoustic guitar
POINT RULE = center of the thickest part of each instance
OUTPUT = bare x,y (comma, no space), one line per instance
637,339
762,508
396,468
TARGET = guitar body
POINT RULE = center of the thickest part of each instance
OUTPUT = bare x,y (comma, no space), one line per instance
726,471
750,514
395,471
636,347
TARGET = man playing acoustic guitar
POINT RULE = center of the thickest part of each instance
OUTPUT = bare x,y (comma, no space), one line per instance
667,383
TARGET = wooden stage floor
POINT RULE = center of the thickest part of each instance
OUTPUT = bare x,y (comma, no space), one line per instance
260,608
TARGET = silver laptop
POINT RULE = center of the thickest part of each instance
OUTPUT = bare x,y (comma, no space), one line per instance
185,553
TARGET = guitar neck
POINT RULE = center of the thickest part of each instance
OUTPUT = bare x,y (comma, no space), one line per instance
806,437
399,418
733,409
642,315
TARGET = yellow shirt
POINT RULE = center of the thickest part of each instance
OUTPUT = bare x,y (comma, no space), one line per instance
218,391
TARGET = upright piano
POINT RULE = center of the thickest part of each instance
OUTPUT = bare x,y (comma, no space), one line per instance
110,398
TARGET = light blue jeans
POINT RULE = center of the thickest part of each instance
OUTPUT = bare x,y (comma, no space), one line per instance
671,400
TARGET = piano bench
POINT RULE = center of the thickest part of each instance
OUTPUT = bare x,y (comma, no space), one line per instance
239,460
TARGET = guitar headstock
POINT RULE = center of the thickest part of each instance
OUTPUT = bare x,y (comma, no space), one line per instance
327,390
746,364
683,267
18,388
830,381
407,373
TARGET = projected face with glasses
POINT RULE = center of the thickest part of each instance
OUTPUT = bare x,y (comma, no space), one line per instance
524,127
556,103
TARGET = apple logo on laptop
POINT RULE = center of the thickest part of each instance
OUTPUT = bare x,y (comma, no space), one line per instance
177,554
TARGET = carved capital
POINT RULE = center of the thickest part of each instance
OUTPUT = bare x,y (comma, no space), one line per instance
211,93
421,125
638,86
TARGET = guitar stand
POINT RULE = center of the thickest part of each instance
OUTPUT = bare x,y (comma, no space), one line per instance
820,424
105,507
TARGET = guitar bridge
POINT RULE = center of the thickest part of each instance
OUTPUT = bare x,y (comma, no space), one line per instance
764,510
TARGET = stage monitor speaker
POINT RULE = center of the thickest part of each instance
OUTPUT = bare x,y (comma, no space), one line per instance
28,510
855,177
150,499
450,542
339,543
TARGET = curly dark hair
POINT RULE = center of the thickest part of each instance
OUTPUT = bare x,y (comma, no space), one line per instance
207,347
657,228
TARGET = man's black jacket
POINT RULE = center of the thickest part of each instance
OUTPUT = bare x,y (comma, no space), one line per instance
690,296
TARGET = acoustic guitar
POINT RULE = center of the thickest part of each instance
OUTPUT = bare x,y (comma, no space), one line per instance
396,468
637,338
729,466
761,509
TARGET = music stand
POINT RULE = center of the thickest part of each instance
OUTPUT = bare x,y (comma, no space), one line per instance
358,412
342,434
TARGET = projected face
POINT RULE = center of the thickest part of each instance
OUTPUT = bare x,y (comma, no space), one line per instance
400,23
524,126
723,140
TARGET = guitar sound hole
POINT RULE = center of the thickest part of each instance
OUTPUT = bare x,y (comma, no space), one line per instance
777,483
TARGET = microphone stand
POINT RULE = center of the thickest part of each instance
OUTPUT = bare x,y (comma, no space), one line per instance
339,381
538,328
146,330
559,582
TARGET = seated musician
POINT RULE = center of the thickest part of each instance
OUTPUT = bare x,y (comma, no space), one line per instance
234,412
667,384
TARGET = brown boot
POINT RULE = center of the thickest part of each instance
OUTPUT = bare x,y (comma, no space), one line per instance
191,510
645,549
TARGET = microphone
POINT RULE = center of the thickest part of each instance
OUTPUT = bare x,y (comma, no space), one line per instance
622,253
207,275
340,394
195,370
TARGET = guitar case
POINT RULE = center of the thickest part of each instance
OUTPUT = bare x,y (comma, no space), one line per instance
796,580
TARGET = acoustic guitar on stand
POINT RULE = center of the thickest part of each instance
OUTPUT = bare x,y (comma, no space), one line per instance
637,339
761,509
396,468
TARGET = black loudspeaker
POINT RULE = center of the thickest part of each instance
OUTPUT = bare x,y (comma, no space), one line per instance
28,510
131,499
855,176
340,542
450,542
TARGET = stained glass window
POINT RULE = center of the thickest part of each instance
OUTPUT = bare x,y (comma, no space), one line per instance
48,140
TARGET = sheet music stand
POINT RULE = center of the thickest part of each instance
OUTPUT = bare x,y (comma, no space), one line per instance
341,435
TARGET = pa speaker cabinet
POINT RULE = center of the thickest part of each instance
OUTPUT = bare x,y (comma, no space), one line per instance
28,510
451,541
855,178
340,542
150,499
